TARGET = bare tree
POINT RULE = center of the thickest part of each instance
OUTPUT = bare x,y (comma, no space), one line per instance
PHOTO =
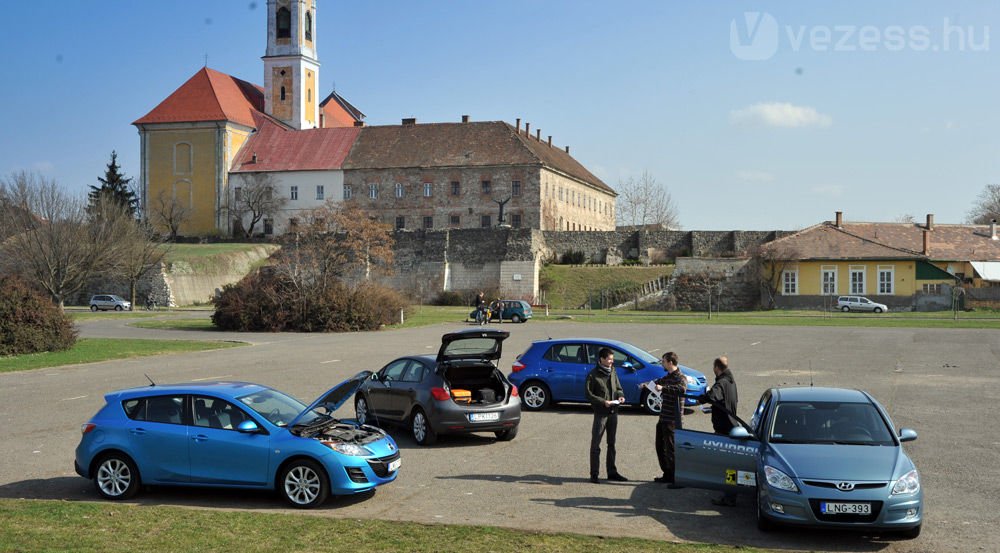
167,212
140,250
51,240
987,206
253,199
644,201
905,218
767,264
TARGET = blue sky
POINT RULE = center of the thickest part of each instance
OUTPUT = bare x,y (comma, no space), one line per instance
755,115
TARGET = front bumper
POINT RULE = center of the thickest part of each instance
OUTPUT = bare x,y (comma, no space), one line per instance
351,475
892,513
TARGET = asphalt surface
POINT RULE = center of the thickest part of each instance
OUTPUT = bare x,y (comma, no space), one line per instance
943,383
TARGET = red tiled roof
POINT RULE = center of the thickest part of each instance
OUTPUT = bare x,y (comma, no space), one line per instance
280,148
209,96
339,112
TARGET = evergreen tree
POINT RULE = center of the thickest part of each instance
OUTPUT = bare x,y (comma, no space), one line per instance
115,187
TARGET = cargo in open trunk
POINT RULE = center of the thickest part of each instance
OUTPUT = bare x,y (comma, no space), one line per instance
484,383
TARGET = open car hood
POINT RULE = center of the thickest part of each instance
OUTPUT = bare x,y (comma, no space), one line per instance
472,344
336,396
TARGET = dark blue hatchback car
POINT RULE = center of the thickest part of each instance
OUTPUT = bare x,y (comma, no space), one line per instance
233,434
556,370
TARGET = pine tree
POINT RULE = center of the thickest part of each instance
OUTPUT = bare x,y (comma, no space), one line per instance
115,187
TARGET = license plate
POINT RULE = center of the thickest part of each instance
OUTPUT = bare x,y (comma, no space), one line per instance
484,417
394,466
845,508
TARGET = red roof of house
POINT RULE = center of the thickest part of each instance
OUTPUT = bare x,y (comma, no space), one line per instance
209,96
280,148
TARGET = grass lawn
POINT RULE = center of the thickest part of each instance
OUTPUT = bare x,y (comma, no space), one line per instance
37,525
101,315
570,285
177,324
92,350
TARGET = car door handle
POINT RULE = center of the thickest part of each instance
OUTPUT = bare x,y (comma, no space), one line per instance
199,438
686,445
138,431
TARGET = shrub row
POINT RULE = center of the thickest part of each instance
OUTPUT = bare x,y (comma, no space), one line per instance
30,322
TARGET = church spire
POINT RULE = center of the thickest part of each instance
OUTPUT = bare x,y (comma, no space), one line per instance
291,67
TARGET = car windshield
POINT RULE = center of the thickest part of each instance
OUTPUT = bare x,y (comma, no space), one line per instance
278,408
644,356
829,422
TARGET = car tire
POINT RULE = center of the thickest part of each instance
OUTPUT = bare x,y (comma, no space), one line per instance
515,318
303,484
507,435
877,310
845,309
535,395
93,308
118,308
764,524
361,411
912,533
420,428
651,403
116,477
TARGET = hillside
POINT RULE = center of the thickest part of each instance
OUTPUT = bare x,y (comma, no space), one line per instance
568,286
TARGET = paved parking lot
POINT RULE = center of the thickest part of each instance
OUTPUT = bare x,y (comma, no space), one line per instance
943,383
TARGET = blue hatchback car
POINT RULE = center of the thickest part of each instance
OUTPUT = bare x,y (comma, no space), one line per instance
556,370
815,457
233,434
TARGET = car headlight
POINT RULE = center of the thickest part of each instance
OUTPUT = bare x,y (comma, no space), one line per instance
692,382
909,483
778,479
349,449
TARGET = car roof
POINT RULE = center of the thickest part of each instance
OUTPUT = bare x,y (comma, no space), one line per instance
809,393
608,341
222,388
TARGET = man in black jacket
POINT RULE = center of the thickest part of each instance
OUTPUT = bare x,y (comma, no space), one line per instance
671,387
604,391
723,397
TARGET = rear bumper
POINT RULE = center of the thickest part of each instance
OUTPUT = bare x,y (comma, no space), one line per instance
446,417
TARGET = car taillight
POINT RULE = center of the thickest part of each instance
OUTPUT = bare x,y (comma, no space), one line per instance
440,394
518,366
87,427
513,391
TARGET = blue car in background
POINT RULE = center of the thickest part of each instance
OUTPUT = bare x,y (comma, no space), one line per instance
813,457
555,370
237,435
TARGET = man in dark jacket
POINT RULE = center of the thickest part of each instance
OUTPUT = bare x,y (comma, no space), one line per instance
722,395
671,387
604,391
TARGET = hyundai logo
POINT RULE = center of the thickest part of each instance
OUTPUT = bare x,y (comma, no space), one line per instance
393,448
845,486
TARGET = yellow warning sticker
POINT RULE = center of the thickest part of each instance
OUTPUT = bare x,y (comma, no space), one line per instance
731,477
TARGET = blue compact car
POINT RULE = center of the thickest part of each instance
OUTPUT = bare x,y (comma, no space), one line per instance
233,434
815,457
556,370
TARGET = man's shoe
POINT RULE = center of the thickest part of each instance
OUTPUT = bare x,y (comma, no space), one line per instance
663,480
595,480
724,501
672,486
617,478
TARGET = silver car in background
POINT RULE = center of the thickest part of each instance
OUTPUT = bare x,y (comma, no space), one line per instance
859,303
105,302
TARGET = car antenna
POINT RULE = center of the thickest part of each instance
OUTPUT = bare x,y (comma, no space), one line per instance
810,373
151,383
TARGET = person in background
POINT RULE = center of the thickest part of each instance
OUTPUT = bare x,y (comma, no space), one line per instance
605,393
723,397
671,386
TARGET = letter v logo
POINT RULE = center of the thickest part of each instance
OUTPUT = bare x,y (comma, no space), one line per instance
756,39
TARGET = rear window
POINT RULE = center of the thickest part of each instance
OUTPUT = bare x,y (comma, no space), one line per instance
471,346
163,409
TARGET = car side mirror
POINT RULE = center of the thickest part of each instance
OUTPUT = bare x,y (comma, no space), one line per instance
907,434
739,433
628,366
248,427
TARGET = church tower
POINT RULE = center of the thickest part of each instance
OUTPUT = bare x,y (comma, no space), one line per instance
291,70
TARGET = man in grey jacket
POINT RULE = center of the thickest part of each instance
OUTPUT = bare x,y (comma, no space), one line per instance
604,391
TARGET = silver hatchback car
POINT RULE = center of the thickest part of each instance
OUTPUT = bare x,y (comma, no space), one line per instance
859,303
106,302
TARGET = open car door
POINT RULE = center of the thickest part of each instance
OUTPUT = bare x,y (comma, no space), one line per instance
711,461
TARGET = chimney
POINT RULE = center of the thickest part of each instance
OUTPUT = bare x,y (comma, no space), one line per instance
993,230
253,159
930,221
550,141
518,126
840,219
927,242
410,121
538,135
465,118
527,128
567,149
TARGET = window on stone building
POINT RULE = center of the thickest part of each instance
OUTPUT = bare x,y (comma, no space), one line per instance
486,187
857,279
485,221
515,188
931,288
293,193
282,94
560,194
428,222
268,226
373,191
283,22
400,222
320,193
309,26
428,188
347,192
885,278
515,220
399,190
456,188
238,194
828,279
456,220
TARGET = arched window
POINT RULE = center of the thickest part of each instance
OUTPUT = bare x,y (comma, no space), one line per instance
309,26
283,22
282,94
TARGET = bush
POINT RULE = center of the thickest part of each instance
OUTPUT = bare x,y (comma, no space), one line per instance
452,298
573,258
269,301
29,322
